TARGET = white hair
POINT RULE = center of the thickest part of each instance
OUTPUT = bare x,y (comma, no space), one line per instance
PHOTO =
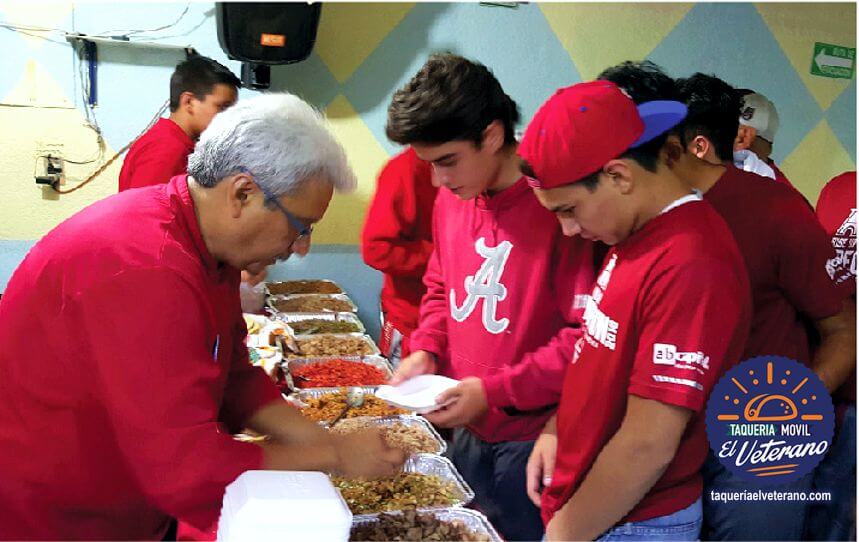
279,139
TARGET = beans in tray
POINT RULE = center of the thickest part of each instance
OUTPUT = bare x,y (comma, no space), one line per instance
304,287
326,346
327,406
404,491
312,304
315,325
413,439
415,526
336,373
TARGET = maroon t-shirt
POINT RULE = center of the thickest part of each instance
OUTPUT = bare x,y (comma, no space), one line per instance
668,315
836,210
786,252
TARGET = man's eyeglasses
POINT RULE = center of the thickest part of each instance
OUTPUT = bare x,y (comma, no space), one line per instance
304,231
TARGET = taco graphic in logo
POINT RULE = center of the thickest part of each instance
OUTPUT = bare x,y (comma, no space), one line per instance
770,420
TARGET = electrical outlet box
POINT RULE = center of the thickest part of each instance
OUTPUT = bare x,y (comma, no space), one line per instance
54,171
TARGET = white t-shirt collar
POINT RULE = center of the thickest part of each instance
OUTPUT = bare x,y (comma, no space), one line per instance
694,196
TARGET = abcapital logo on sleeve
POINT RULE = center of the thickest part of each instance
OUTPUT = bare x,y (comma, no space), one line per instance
770,420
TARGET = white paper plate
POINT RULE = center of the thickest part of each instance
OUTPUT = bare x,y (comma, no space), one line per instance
417,394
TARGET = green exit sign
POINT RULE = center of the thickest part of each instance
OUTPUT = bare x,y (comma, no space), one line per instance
833,61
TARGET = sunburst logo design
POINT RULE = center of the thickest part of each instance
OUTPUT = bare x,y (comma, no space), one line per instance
770,419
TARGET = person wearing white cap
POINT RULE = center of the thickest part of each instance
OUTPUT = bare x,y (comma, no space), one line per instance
759,123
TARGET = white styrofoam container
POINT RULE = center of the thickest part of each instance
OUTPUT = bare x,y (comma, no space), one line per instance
279,505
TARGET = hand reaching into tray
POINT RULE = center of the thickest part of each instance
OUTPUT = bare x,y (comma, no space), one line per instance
367,454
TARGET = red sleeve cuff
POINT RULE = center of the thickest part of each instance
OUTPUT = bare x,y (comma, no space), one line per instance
256,391
693,400
496,392
425,341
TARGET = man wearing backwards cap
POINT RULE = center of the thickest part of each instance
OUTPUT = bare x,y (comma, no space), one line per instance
630,423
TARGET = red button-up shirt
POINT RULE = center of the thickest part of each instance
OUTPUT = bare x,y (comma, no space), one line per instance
122,372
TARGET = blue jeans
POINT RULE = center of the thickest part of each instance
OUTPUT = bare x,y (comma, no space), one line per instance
681,525
836,519
395,355
750,520
496,473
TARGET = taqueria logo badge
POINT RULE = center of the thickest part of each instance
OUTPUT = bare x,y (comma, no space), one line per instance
770,420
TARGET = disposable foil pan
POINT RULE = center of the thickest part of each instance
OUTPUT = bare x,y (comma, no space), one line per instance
288,365
273,300
407,420
472,519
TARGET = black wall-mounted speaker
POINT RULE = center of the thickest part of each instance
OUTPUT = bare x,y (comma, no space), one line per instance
265,33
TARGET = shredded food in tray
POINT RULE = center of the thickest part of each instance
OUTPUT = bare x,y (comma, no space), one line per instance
327,406
315,325
413,439
312,304
415,526
401,492
326,346
304,287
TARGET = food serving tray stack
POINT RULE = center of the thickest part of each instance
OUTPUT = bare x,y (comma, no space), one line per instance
448,518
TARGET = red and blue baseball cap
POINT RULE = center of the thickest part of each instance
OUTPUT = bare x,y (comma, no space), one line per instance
584,126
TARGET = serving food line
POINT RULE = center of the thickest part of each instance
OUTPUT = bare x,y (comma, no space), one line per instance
312,343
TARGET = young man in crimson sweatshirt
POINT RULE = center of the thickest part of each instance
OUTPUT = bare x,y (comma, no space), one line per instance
505,289
397,240
200,88
629,437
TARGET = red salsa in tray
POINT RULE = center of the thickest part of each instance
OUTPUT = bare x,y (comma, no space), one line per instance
336,373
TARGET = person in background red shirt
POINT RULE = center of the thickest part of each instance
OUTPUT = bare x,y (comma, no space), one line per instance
836,519
149,377
200,88
397,240
785,247
505,288
629,437
836,210
786,253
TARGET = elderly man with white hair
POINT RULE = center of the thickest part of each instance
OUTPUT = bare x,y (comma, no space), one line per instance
123,370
